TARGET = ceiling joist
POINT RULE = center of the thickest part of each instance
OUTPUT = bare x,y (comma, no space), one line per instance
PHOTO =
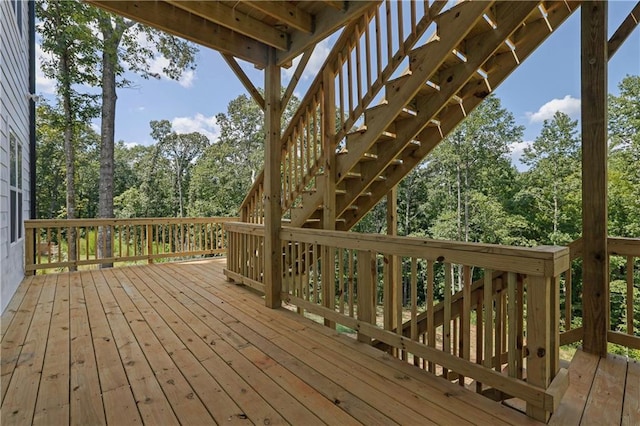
286,13
176,21
327,21
239,22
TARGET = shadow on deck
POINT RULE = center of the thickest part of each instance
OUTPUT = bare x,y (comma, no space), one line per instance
176,343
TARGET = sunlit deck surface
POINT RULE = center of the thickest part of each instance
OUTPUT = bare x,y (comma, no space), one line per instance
176,343
602,391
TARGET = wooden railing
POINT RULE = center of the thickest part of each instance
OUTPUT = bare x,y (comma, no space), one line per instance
624,260
132,240
476,313
369,51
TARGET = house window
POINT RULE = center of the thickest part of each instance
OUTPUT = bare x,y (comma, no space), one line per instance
16,5
15,188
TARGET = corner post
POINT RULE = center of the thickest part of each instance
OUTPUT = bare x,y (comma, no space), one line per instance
539,357
594,176
272,185
29,250
329,200
392,265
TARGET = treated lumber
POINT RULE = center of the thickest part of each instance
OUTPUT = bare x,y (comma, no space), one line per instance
244,79
286,13
581,373
155,408
446,395
52,406
14,337
631,406
272,188
208,360
173,20
217,12
624,30
595,257
606,395
19,403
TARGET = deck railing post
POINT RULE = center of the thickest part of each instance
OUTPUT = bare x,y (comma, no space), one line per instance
539,349
149,243
29,250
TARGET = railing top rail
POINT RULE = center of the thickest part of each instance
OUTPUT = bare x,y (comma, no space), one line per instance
624,246
543,260
63,223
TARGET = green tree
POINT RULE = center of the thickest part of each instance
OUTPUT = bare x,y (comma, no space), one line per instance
182,150
553,184
624,159
63,26
228,167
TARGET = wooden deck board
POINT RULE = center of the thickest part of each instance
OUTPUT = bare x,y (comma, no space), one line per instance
176,343
604,404
631,407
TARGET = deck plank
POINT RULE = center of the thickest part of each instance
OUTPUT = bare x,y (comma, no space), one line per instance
151,402
19,404
631,407
604,405
14,305
291,408
187,349
185,403
13,338
443,397
582,370
176,343
86,397
52,406
119,403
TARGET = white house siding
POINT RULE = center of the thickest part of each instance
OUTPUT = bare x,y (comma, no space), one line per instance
14,118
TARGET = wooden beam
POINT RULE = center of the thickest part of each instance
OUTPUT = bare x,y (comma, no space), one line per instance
239,22
285,12
327,21
329,210
244,79
272,187
165,17
595,292
624,30
296,76
392,274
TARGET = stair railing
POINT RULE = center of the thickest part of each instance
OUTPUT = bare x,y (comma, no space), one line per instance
368,52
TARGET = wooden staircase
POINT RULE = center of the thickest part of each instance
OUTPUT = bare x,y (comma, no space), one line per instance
476,45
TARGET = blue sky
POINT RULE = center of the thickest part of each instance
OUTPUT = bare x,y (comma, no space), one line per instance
547,81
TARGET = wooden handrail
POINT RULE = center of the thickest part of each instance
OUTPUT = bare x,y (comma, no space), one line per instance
628,248
131,240
336,275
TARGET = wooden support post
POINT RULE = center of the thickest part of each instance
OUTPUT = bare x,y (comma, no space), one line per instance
595,293
329,201
272,191
538,338
30,249
392,265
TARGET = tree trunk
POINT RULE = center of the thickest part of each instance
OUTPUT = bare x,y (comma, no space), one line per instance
111,39
69,151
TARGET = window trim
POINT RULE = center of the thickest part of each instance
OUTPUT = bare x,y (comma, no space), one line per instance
16,189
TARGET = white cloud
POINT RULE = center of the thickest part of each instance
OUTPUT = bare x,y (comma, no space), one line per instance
43,84
200,123
318,57
158,63
517,149
569,105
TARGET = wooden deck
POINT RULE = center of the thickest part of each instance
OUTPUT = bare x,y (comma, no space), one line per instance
602,391
176,343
